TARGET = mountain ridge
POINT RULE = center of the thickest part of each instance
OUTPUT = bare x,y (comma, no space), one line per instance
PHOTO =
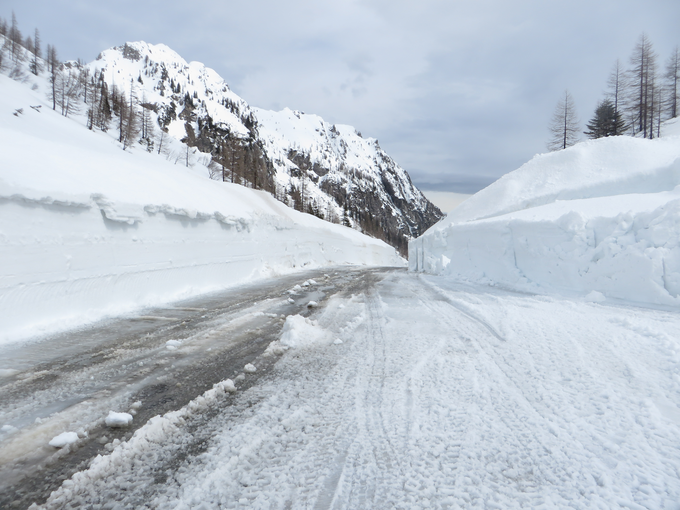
328,170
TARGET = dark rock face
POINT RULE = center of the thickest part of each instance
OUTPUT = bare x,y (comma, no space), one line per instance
326,170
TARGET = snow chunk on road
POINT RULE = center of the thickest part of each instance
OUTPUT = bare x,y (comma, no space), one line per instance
299,331
250,368
118,419
64,439
295,290
172,345
226,386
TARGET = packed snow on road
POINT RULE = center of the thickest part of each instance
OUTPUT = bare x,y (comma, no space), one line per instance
439,395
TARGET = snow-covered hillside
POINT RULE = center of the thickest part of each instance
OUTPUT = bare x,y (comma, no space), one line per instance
600,219
328,170
87,229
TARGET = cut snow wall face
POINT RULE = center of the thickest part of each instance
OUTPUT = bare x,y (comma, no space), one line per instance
634,257
615,231
88,230
68,264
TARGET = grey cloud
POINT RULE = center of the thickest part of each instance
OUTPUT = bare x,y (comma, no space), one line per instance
458,93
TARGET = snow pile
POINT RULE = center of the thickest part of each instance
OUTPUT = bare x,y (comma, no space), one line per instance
173,345
88,230
300,332
117,420
64,439
601,216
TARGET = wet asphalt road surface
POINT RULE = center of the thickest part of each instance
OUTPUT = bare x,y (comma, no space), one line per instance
69,382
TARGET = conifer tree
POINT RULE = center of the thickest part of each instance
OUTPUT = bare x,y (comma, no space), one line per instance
104,108
606,121
53,68
15,40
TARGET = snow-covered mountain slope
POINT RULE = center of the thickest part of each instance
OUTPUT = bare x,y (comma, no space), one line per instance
87,229
600,219
327,170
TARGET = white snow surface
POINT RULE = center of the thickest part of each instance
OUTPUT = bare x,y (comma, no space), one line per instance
300,332
332,146
115,419
89,230
601,216
63,439
441,395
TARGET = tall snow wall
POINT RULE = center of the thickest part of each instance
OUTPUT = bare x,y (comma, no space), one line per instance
600,219
88,230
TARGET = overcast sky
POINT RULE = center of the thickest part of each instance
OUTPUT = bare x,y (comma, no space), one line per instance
457,92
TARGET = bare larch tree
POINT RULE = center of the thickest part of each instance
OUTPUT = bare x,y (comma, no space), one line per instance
564,128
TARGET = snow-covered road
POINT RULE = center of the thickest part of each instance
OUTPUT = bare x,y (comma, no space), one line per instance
418,392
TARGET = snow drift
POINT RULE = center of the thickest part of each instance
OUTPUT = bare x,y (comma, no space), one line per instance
601,216
87,229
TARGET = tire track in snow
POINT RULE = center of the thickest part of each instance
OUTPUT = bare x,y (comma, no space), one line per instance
576,405
422,406
525,451
437,396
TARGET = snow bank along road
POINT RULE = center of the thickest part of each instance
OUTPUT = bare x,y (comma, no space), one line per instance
399,391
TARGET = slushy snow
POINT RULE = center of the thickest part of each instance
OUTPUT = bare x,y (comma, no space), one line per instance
442,395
